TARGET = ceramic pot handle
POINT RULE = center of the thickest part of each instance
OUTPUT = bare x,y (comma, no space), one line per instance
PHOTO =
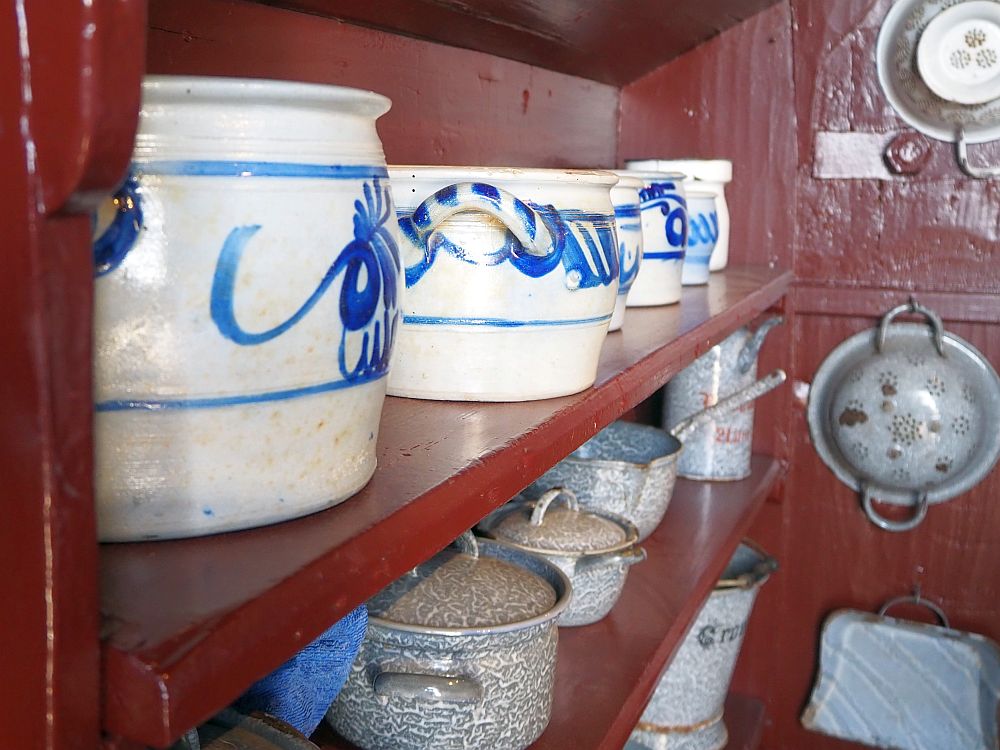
937,327
748,354
919,601
522,220
543,503
427,687
919,512
962,155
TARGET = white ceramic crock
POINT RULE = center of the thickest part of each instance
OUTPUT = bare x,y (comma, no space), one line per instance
628,225
664,238
703,174
703,234
511,279
247,286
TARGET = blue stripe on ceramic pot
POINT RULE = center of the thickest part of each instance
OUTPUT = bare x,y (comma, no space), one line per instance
702,235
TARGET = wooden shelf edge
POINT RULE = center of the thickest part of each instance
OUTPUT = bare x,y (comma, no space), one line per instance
155,690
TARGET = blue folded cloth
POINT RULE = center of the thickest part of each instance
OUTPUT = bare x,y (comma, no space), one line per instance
301,690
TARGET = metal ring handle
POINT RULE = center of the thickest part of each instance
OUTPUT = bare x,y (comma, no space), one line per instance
962,156
543,503
920,601
884,523
937,327
467,544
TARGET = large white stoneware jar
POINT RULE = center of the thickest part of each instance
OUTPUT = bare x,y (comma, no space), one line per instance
247,292
511,279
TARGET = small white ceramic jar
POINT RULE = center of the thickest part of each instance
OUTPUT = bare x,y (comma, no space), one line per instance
703,233
703,174
511,279
664,219
247,291
628,225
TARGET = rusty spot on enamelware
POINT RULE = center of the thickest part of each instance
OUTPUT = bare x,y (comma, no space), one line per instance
888,389
851,417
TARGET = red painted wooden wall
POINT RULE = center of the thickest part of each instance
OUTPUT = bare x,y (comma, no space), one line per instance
761,94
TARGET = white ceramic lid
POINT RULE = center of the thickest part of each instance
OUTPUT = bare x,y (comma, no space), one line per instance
712,170
958,55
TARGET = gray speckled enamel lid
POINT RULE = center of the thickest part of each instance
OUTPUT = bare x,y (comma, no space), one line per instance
563,529
458,588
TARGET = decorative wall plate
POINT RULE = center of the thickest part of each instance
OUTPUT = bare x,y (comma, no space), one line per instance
958,54
905,88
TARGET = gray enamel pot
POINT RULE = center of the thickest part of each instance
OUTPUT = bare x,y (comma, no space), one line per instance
483,680
720,448
594,549
630,469
685,712
627,469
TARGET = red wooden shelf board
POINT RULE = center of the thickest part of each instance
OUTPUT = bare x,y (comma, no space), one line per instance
613,42
189,624
745,722
607,672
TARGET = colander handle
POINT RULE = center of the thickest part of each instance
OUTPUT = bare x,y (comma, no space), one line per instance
543,503
919,512
962,155
914,307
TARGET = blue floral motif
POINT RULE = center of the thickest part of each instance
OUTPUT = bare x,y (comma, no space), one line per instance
704,229
672,204
114,244
583,244
628,273
373,251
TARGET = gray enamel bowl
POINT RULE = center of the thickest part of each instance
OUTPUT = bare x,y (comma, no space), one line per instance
627,469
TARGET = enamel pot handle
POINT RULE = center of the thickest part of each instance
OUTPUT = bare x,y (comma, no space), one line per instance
521,219
937,327
729,404
427,687
543,503
962,155
748,354
628,557
919,512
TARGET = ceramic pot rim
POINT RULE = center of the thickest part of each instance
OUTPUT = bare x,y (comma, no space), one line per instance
652,175
630,529
170,89
561,584
526,174
707,170
629,182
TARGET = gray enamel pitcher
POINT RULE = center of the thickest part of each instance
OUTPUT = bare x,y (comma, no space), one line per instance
720,447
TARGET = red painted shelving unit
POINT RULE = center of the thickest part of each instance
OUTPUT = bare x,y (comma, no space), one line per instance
183,627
